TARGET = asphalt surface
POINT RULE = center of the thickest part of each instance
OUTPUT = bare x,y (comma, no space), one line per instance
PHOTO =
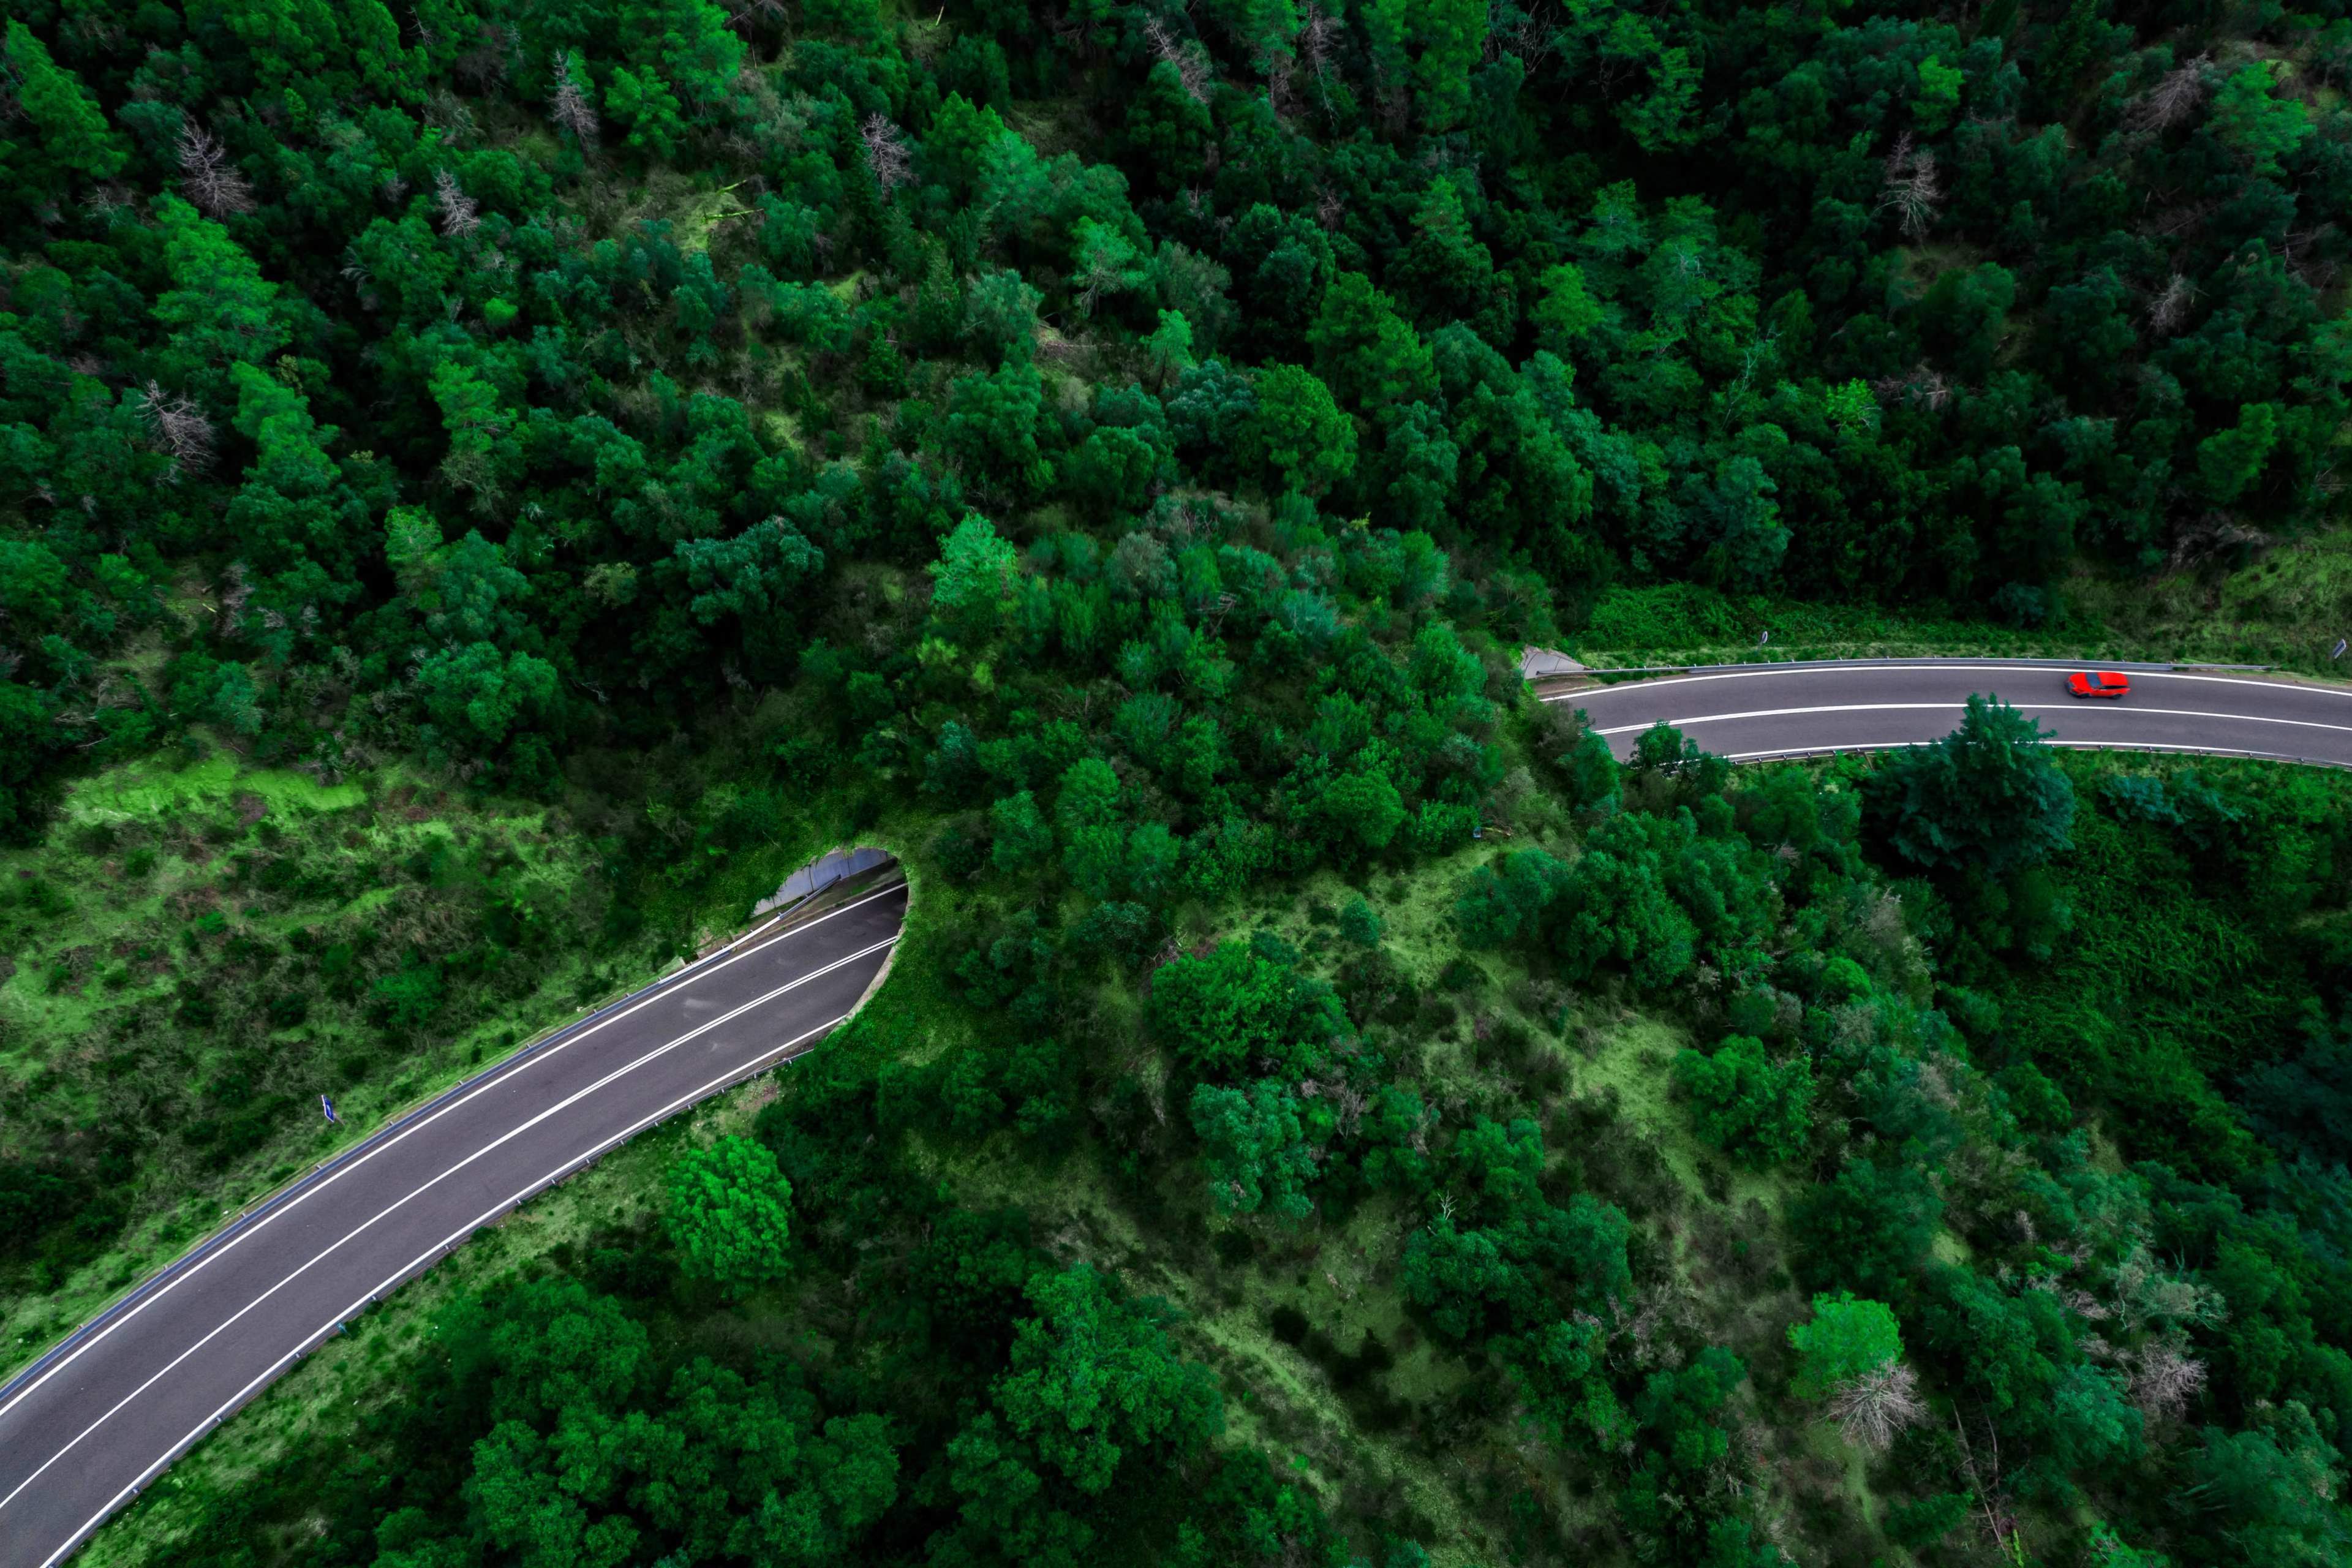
1752,713
103,1415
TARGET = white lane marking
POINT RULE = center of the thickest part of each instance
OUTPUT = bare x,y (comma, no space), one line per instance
1789,712
1954,706
2242,680
397,1203
546,1053
421,1259
1942,669
304,1195
2185,746
2077,745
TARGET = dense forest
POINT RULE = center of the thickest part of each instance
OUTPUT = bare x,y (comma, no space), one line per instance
486,484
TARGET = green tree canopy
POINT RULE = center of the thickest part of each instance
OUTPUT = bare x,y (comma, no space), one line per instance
1985,798
1225,1012
73,128
1747,1104
1256,1146
972,579
1847,1336
1094,1379
730,1214
1298,432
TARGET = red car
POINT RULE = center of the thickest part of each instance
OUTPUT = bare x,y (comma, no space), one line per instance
2098,683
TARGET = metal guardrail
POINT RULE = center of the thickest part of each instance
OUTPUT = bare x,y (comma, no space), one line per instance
134,1293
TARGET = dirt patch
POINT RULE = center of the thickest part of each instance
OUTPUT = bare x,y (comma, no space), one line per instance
250,808
144,960
78,961
190,903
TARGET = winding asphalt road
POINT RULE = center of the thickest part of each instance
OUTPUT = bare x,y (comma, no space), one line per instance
1753,712
99,1417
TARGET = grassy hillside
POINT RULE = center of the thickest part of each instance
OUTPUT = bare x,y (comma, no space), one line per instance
202,947
2286,609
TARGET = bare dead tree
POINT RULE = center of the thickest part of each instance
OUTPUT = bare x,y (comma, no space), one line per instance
570,108
2327,481
1315,40
746,15
1922,385
2304,259
235,589
1985,1480
177,426
1278,84
207,178
2144,1290
1348,1101
1913,187
2164,1378
2175,97
460,214
104,201
1871,1408
95,32
484,65
451,114
2170,306
1533,39
886,152
2212,535
1191,66
355,271
2182,219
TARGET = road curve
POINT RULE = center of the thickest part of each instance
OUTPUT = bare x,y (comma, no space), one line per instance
1753,712
82,1429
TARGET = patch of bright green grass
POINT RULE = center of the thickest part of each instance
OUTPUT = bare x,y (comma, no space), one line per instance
245,887
2286,609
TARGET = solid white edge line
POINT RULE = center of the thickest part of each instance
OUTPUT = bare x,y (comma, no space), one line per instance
1789,712
490,1079
419,1262
397,1203
1949,707
1803,668
1795,753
